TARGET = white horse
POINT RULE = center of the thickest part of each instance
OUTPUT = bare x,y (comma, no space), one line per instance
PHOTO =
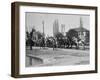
80,42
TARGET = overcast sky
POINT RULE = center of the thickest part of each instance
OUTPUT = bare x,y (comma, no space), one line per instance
70,21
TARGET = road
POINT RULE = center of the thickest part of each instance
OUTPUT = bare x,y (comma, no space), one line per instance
57,57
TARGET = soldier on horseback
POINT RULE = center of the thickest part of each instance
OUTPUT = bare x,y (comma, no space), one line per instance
54,41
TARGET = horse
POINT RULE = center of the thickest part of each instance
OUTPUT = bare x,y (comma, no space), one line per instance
49,42
75,42
41,42
82,43
65,43
70,42
79,42
55,43
30,42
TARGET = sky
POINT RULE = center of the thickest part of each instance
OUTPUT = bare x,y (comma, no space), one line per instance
70,20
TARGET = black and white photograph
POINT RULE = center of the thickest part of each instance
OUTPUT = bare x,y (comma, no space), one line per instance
54,39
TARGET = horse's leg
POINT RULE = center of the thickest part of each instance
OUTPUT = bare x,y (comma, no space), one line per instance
84,46
40,46
71,45
30,47
76,46
64,44
67,45
53,47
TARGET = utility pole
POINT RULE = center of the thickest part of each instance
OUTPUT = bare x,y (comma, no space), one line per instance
43,27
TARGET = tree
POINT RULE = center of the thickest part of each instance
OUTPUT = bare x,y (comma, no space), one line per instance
31,33
39,34
33,30
29,41
59,35
27,34
72,33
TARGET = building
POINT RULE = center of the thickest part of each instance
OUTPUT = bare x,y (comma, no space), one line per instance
63,29
83,33
55,28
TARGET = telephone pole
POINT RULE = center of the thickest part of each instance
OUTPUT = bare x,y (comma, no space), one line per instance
43,28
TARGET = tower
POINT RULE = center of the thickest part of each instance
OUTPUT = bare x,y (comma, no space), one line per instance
82,32
81,23
63,29
55,27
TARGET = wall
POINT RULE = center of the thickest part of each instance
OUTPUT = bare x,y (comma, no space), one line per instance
5,40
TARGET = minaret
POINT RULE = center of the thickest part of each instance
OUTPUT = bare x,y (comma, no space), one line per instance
81,26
